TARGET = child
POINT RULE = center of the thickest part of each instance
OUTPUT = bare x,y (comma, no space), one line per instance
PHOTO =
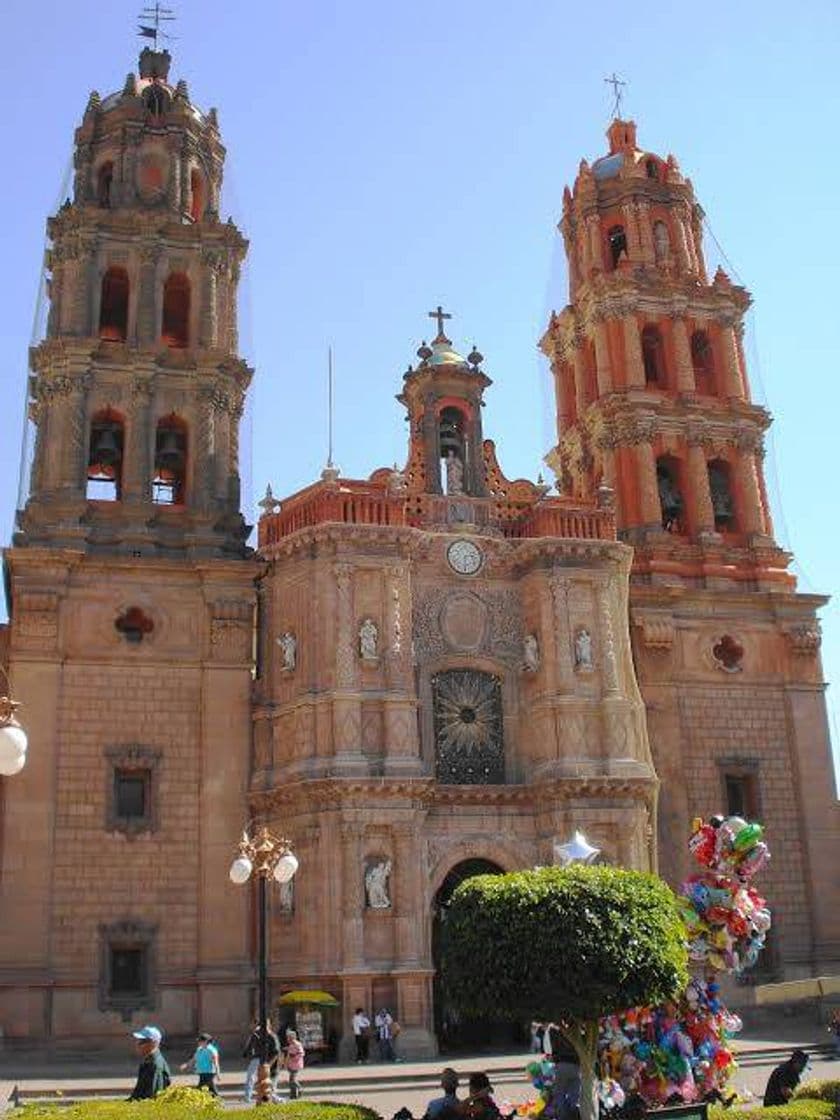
205,1061
294,1055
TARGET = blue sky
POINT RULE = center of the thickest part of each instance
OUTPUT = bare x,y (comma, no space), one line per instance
387,157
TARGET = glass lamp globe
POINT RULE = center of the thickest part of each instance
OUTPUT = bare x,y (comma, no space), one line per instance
286,867
240,870
12,749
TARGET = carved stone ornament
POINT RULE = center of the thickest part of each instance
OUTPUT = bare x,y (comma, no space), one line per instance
368,640
583,651
657,631
288,647
805,639
377,885
530,653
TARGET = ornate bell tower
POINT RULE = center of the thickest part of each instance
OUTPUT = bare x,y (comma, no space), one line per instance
132,593
137,391
653,399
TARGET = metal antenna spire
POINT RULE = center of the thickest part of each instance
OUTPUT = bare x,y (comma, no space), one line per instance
618,94
152,18
329,408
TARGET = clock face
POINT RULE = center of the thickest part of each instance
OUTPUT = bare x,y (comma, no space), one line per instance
464,557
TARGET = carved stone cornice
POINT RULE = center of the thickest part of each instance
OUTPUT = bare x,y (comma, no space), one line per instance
656,629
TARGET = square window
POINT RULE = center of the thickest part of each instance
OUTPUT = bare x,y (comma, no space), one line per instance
131,794
740,793
128,972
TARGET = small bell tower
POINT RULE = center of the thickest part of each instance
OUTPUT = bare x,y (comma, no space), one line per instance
137,391
648,366
443,396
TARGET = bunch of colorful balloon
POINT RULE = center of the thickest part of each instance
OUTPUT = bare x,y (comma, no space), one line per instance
682,1050
726,918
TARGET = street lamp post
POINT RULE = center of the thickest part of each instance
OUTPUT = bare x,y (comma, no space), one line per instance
266,856
12,735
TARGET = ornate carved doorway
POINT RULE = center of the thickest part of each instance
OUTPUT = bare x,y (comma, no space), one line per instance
454,1032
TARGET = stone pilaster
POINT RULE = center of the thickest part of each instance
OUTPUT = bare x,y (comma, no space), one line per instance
562,633
682,352
137,466
733,385
596,242
602,357
147,319
635,366
698,481
352,889
650,513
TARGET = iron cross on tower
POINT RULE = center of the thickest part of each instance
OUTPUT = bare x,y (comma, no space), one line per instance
618,94
152,18
440,315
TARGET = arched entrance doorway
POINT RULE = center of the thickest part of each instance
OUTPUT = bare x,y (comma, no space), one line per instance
454,1032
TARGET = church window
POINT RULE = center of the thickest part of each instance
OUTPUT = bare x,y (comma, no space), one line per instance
451,435
702,359
652,169
468,728
169,481
670,499
196,196
720,492
104,182
728,654
653,356
175,328
105,457
740,799
127,967
134,624
617,240
132,788
156,99
113,306
661,241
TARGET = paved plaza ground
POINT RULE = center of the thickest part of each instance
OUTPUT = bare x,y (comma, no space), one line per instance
388,1087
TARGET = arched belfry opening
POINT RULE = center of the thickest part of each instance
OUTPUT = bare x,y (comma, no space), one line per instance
113,306
170,476
454,1031
105,457
175,327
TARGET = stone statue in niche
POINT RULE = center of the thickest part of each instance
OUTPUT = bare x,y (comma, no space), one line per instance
288,644
368,639
286,897
583,650
530,653
454,473
377,878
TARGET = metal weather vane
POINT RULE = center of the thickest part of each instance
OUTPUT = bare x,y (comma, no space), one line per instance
152,17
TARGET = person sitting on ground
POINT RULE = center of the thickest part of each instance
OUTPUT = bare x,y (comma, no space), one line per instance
441,1106
479,1105
153,1074
205,1062
784,1079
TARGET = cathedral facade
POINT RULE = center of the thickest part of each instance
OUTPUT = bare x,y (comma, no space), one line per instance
416,676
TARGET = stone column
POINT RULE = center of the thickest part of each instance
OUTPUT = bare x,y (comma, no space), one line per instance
635,366
74,434
565,405
733,385
650,512
223,407
682,352
353,895
86,272
347,708
204,456
602,357
184,179
698,481
147,325
683,254
596,242
750,511
562,632
209,309
631,232
407,900
173,183
137,470
580,379
645,232
607,634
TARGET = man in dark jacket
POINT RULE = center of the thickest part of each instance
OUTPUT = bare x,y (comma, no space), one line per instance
153,1074
784,1079
254,1053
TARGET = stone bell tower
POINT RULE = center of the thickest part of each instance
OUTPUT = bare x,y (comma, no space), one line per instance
137,391
653,400
131,596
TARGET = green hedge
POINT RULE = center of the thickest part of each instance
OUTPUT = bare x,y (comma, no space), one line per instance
805,1109
819,1091
181,1103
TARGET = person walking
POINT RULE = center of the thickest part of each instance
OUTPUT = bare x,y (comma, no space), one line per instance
361,1034
153,1074
385,1034
205,1062
834,1028
293,1060
253,1052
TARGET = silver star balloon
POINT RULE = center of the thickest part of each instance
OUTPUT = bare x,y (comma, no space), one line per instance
576,850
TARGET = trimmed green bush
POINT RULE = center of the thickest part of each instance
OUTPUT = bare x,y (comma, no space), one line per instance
793,1110
820,1091
181,1103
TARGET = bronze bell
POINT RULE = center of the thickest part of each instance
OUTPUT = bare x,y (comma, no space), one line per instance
170,452
104,447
